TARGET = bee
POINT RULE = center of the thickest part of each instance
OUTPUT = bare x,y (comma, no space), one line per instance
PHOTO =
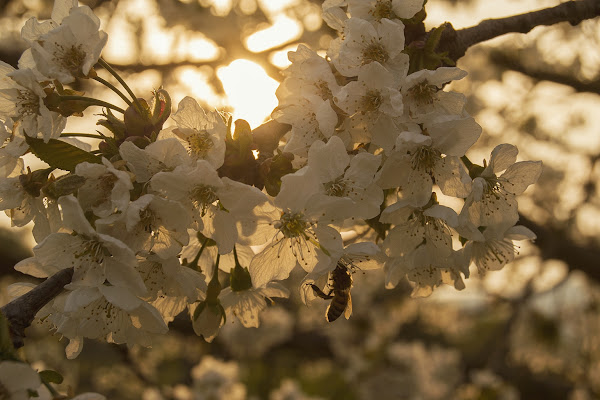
339,285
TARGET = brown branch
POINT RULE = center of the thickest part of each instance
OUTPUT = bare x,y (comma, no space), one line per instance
456,42
21,311
514,63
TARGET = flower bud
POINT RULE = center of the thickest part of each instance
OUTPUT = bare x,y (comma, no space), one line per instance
138,122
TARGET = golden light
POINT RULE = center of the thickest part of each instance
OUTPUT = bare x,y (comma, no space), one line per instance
197,47
250,91
280,58
283,30
196,83
124,50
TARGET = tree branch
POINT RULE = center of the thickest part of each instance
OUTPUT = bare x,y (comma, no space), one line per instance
21,311
456,42
507,61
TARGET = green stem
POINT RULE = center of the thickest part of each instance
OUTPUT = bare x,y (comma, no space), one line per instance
87,135
122,82
194,263
216,268
467,162
235,257
113,88
93,101
52,391
202,249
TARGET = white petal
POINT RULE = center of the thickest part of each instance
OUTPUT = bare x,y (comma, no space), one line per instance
520,232
120,297
329,160
520,175
73,216
502,157
275,262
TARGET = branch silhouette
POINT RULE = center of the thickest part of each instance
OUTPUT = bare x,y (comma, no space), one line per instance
21,311
457,42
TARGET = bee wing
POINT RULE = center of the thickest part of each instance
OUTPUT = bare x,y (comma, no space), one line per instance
348,312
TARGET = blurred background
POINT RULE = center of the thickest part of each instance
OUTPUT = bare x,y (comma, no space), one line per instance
530,331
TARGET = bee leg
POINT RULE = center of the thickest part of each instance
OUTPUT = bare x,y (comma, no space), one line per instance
320,293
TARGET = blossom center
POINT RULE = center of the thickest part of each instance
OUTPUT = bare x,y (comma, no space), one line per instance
92,249
148,221
371,101
203,196
383,9
336,188
423,93
292,224
375,52
28,103
425,158
70,58
199,144
496,252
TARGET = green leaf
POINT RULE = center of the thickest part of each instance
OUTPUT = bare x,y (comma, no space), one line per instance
50,376
59,154
7,350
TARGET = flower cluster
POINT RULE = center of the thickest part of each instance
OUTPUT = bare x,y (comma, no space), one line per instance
149,217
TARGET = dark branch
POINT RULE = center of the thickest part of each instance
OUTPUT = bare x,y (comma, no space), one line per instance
21,311
456,42
513,63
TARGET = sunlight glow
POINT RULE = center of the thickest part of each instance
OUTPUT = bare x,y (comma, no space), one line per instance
124,50
280,58
283,30
196,83
250,90
276,6
197,48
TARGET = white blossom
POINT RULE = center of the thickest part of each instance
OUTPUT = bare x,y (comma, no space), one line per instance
171,286
22,99
301,232
308,75
495,248
246,304
311,118
378,9
150,223
111,313
106,189
424,98
95,257
373,103
162,155
344,176
12,147
18,380
70,50
493,201
365,43
201,133
222,209
422,157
